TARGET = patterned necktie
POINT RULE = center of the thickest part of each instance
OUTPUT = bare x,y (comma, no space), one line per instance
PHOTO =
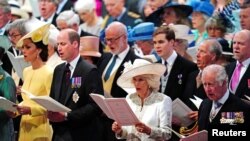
166,72
236,76
214,111
110,68
67,73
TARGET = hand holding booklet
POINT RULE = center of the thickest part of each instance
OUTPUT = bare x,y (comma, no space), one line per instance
116,109
47,102
7,105
180,113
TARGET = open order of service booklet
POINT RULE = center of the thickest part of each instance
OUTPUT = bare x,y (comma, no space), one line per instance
180,113
116,109
18,63
47,102
7,105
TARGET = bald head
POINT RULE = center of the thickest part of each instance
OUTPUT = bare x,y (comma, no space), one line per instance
116,37
116,27
241,45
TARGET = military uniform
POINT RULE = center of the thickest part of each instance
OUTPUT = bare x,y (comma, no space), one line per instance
128,18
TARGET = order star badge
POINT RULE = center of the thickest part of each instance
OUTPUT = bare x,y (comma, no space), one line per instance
75,97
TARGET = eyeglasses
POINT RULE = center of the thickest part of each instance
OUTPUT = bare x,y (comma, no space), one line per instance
46,1
112,39
14,35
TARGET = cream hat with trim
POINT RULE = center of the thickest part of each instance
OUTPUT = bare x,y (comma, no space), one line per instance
182,32
16,9
139,67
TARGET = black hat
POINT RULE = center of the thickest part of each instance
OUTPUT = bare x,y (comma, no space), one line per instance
226,50
155,17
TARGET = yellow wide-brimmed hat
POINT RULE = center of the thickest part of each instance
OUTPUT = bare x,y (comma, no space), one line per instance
37,31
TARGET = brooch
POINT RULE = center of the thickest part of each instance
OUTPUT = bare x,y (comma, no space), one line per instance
179,76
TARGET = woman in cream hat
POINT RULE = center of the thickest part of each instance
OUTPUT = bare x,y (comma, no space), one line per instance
37,80
153,109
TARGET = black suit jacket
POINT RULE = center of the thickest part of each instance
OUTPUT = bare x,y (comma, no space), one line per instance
178,77
67,6
191,90
244,86
116,91
232,104
84,119
7,65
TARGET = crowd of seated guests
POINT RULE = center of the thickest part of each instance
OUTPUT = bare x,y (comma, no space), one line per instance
195,48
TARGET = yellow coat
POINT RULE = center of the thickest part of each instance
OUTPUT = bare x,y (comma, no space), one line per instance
36,127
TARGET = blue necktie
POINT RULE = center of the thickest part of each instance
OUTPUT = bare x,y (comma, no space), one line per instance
110,68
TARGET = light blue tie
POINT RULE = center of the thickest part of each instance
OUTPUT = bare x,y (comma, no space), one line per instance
110,68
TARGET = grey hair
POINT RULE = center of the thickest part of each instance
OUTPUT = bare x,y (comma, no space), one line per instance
214,47
56,2
19,25
153,81
120,27
85,5
4,5
70,17
218,71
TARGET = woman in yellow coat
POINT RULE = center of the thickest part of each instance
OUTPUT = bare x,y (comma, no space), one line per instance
34,124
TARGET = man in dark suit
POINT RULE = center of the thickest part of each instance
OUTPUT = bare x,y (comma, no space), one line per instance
208,53
222,110
118,12
178,68
116,40
241,51
47,9
84,118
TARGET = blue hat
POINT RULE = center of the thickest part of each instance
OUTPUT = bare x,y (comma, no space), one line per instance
205,7
143,31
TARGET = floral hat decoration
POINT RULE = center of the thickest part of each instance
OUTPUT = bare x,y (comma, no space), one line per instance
37,31
139,67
